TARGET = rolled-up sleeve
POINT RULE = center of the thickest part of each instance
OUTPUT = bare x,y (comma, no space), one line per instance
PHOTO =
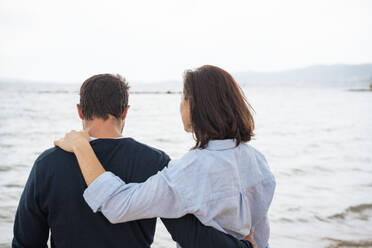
121,202
101,190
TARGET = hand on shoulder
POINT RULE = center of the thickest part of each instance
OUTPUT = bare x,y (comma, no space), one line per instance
72,140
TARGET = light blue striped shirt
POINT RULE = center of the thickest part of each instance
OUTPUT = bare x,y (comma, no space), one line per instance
225,186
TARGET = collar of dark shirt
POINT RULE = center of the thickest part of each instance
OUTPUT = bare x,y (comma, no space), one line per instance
94,138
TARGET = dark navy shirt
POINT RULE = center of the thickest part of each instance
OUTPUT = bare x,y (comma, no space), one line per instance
53,201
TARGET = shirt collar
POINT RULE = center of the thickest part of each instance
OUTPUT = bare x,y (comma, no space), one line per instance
217,145
94,138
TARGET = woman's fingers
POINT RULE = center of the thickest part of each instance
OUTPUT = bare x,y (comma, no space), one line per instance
61,143
57,142
85,134
72,138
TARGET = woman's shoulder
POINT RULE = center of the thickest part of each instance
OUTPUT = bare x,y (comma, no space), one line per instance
261,164
187,159
253,151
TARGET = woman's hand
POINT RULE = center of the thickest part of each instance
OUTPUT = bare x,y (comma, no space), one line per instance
72,140
78,143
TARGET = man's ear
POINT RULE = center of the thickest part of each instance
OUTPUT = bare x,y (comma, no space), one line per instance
79,111
125,112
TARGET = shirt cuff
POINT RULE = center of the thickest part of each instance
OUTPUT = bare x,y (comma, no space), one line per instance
100,190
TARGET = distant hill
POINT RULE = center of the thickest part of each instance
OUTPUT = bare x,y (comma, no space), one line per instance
339,75
317,75
346,76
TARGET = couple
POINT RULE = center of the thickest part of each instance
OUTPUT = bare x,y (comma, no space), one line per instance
216,195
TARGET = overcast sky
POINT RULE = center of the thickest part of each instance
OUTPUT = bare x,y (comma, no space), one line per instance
149,41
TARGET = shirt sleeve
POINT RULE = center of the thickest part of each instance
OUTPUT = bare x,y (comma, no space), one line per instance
30,226
121,202
189,232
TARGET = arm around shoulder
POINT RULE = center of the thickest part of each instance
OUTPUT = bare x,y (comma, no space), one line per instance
121,202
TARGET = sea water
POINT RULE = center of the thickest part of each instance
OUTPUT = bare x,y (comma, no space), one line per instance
318,142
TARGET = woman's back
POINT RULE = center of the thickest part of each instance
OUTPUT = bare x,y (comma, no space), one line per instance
226,186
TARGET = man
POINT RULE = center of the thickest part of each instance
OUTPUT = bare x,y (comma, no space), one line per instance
53,195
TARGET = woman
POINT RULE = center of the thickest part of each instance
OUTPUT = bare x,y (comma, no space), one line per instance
223,181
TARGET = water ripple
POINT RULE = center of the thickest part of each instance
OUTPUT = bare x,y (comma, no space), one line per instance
358,209
337,243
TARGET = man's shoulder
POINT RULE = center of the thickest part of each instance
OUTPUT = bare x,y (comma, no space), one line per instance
54,153
144,149
54,156
57,159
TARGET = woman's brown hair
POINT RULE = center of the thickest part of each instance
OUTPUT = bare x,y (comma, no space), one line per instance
218,107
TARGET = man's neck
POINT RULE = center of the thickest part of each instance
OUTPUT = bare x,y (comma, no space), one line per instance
103,129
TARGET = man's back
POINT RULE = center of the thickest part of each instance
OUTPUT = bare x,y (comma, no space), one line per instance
54,192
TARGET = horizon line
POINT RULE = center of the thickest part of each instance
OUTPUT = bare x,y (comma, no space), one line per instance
32,81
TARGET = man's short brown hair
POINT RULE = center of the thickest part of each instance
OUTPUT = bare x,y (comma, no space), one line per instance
103,95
